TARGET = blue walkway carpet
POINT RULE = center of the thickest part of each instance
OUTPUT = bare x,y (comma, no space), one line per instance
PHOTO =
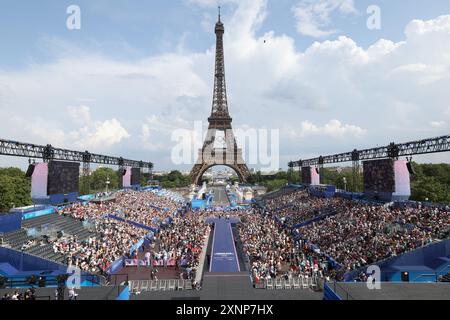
223,255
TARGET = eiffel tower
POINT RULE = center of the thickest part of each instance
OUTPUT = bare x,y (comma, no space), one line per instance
220,147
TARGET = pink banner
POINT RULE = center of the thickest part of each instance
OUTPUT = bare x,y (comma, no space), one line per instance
39,181
160,263
126,182
315,177
402,179
135,263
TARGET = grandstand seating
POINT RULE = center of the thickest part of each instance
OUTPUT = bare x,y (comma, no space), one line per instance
69,226
279,193
16,239
66,224
46,252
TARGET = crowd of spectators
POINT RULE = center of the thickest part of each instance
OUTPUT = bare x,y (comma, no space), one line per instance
296,207
29,294
348,236
361,234
354,234
146,208
181,243
273,252
112,238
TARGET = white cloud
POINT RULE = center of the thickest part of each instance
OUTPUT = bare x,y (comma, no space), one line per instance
420,28
333,129
157,130
80,114
37,131
106,133
92,135
206,3
314,16
437,124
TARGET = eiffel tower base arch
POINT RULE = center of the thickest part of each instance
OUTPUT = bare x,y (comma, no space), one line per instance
199,170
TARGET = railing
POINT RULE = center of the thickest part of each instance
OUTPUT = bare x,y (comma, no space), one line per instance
447,267
24,282
293,283
341,292
117,279
47,281
138,286
434,276
94,279
319,217
199,272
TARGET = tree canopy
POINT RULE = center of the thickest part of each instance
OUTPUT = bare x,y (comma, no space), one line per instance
15,189
174,179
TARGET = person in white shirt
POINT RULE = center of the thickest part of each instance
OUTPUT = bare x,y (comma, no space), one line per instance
148,259
72,294
15,296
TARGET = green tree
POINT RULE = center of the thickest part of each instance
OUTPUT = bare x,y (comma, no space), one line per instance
98,178
15,189
431,181
429,188
293,176
276,184
175,179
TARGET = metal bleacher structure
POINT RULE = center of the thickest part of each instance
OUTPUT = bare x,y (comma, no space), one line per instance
48,225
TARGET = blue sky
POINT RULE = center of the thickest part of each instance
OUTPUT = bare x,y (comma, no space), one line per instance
138,28
138,70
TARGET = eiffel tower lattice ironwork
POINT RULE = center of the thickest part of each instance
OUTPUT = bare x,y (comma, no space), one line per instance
220,147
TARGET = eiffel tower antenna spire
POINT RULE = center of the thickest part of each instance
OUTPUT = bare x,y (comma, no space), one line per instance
220,102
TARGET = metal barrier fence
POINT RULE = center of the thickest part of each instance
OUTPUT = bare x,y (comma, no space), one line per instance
341,292
137,286
116,280
296,283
